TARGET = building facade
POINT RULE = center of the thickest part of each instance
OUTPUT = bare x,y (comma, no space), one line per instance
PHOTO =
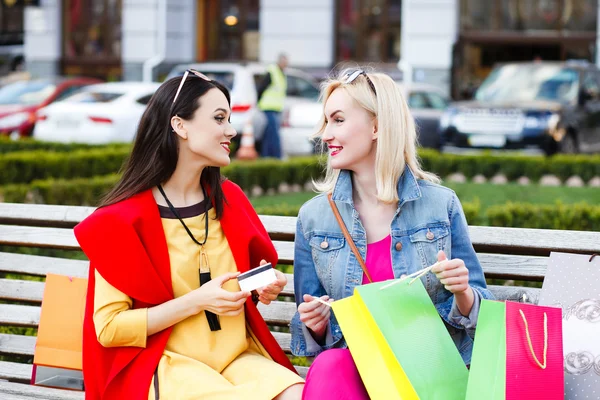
449,43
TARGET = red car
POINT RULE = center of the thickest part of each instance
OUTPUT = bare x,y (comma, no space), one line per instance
20,101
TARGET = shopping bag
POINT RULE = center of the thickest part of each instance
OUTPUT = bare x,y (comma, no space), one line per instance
410,335
57,358
572,283
517,353
380,372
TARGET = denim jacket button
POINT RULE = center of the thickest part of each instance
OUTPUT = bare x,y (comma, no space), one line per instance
324,245
398,246
429,235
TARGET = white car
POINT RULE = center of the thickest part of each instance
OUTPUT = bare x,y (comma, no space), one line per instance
427,103
96,114
242,80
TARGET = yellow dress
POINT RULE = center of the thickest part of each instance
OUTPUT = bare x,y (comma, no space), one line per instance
196,363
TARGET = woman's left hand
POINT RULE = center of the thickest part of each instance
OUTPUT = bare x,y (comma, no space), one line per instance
269,293
453,274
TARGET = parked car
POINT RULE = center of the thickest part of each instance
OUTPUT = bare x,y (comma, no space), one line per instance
427,104
97,114
242,80
550,106
20,101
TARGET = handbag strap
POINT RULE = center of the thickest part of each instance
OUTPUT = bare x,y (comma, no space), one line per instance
340,221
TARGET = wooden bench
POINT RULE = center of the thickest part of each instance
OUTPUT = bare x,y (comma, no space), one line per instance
506,254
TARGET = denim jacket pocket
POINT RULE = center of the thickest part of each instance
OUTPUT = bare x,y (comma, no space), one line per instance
428,240
325,250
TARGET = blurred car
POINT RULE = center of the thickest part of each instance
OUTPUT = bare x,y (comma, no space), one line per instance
20,101
427,104
242,80
97,114
547,106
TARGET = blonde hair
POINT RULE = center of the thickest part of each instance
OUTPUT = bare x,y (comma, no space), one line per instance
396,139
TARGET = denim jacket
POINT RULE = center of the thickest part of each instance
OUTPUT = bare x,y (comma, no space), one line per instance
429,218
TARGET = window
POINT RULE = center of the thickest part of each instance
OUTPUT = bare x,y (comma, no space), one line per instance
92,38
68,91
418,100
92,28
530,15
11,21
368,30
299,87
93,97
436,101
26,92
144,100
590,84
228,30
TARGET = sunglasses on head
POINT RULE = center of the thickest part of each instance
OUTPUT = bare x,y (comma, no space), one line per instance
185,75
352,75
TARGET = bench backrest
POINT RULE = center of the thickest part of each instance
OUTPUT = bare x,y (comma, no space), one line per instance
506,255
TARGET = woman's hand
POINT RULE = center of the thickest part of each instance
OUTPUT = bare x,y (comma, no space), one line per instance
315,315
212,297
269,293
454,275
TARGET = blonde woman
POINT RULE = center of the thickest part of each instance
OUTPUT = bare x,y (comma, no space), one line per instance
399,217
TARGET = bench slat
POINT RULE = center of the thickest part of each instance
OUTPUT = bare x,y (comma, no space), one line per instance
26,264
277,313
15,371
17,344
18,391
29,236
499,266
494,266
485,239
25,345
17,290
17,315
535,242
43,214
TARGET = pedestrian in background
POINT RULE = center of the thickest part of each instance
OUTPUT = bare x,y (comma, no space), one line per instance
271,98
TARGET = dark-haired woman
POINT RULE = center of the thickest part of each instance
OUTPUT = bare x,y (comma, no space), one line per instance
165,317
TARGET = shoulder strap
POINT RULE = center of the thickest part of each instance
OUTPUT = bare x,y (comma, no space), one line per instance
348,237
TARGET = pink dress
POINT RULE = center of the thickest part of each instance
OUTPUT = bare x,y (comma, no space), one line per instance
333,374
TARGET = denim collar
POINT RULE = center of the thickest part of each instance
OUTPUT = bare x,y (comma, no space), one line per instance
408,187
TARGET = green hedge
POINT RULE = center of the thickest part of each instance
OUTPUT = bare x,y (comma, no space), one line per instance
74,192
8,146
580,216
27,166
513,166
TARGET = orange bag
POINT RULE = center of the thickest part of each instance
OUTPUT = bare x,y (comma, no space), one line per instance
57,358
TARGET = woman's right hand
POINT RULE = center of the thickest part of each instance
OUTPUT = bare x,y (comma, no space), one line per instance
212,297
315,315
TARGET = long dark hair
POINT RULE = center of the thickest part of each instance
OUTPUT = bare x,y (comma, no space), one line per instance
155,150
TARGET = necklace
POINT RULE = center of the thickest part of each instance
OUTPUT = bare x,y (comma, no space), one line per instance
204,267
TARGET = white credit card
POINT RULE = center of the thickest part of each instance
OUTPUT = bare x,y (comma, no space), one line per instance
257,278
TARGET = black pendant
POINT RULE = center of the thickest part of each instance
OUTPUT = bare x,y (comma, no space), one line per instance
213,319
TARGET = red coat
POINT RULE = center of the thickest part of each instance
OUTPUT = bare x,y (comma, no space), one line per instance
125,242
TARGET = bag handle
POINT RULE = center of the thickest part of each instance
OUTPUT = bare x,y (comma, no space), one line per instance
541,365
340,221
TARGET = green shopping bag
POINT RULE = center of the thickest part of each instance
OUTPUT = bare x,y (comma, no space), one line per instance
413,329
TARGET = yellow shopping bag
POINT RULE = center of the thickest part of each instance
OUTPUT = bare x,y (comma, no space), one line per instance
379,369
400,344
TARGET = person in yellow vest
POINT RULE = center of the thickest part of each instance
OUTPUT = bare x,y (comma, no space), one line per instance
271,96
